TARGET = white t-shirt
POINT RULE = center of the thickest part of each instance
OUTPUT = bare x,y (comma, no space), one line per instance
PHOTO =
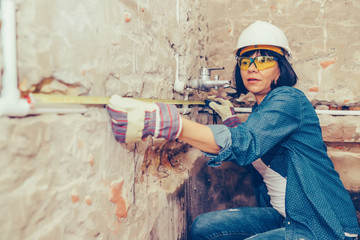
276,185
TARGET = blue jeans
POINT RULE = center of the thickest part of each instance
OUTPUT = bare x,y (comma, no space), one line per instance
238,224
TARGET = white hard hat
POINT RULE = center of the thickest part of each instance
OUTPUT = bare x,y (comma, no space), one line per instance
263,33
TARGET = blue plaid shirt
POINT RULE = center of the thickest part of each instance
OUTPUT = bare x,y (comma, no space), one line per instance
284,131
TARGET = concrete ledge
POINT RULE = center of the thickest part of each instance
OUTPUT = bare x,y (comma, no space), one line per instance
340,128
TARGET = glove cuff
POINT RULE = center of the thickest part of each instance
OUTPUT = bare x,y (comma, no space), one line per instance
149,123
169,123
118,123
164,122
180,126
232,121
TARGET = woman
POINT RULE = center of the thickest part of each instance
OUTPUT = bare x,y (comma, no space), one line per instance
299,194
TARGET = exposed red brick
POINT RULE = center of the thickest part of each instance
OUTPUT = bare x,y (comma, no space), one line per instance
326,64
338,132
91,160
115,197
75,197
127,17
88,200
314,89
332,133
335,108
120,211
349,132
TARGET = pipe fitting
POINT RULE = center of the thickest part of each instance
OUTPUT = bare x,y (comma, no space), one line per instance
205,83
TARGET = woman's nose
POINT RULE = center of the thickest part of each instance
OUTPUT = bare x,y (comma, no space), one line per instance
252,67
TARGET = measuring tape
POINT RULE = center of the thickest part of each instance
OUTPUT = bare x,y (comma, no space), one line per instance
52,98
39,98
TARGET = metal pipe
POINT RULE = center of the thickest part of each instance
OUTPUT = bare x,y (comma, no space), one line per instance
319,112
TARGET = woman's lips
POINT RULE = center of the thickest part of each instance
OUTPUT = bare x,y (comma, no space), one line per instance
253,80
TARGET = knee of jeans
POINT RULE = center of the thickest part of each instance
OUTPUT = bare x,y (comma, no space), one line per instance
198,227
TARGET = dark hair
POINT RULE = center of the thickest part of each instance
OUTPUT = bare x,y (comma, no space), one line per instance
287,74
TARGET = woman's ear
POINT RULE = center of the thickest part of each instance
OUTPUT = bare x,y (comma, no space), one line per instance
276,79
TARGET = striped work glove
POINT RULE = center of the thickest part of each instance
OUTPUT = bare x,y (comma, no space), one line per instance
133,120
225,109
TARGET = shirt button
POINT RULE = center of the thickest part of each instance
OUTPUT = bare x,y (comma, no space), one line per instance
288,223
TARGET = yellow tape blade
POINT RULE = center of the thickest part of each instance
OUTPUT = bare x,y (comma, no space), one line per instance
53,98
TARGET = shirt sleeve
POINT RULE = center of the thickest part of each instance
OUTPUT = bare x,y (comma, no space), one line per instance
222,137
271,122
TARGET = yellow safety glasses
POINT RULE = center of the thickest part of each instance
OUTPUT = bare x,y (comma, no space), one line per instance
261,62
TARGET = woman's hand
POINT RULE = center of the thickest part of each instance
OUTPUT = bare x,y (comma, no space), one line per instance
133,120
225,109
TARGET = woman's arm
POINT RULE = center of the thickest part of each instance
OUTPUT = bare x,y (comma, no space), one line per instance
199,136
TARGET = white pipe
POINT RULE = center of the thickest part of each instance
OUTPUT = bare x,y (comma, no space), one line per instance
10,88
10,102
319,112
185,108
243,110
178,85
338,112
178,11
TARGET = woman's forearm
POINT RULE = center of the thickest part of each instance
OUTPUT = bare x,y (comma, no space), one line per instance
199,136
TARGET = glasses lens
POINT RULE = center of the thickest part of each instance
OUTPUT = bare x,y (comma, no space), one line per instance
264,62
261,63
244,63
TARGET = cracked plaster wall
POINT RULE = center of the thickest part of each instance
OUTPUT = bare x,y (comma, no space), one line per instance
323,35
64,176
